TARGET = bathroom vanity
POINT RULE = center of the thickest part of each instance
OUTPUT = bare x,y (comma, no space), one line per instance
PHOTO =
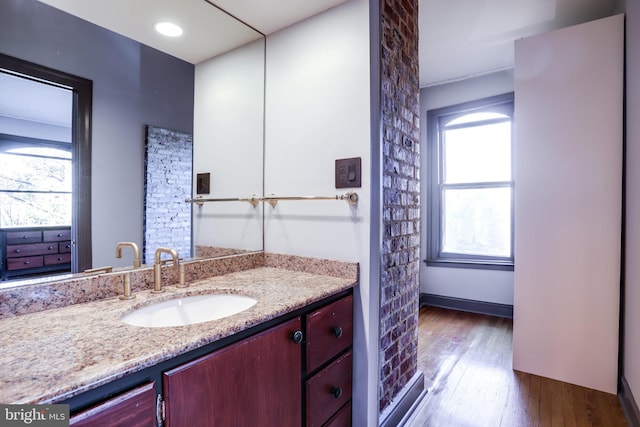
287,360
300,367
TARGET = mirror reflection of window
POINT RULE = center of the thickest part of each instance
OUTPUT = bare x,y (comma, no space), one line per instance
35,183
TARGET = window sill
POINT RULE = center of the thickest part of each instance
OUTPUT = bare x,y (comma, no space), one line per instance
476,265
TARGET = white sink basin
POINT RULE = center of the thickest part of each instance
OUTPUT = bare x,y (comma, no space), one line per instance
189,310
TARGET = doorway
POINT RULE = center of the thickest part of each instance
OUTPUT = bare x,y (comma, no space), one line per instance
55,194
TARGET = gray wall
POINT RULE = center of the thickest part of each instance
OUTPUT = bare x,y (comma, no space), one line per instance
631,290
133,85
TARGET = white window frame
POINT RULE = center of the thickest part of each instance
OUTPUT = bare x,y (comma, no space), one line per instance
436,120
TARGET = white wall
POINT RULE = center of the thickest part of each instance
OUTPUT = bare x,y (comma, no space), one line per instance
568,203
317,111
631,346
479,285
228,144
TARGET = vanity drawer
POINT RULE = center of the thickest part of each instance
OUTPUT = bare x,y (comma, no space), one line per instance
329,390
32,249
57,259
329,331
64,247
56,235
20,237
342,418
25,262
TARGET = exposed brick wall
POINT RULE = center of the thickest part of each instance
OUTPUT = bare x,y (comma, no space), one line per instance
399,291
167,183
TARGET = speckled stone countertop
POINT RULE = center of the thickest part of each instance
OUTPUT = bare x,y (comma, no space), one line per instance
55,354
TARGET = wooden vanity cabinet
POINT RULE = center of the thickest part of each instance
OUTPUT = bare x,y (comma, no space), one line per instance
255,382
329,340
134,408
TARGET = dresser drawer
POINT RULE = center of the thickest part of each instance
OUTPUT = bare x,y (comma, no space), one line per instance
25,262
64,247
56,235
14,251
20,237
57,259
329,331
329,390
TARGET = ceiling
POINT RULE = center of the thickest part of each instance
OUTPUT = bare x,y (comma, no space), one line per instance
202,22
458,38
465,38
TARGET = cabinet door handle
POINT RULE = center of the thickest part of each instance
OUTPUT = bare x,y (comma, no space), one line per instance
336,392
297,337
337,331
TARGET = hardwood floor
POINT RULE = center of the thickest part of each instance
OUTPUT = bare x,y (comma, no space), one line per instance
466,361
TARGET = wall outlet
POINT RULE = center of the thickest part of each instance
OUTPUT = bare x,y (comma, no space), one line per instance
349,173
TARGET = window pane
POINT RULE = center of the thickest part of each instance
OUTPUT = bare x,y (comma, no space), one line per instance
26,173
32,209
43,151
477,154
475,117
477,221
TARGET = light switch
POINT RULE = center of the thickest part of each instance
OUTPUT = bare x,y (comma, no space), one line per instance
348,172
203,183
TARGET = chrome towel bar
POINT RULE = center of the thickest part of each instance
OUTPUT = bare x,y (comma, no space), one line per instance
351,197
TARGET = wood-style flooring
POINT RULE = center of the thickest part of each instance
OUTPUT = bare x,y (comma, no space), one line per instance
466,361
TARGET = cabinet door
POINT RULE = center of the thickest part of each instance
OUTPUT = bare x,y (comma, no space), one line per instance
135,408
256,382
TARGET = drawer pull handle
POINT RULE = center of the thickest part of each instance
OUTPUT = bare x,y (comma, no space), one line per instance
336,392
59,259
297,337
67,246
26,262
50,248
59,234
17,251
25,237
337,331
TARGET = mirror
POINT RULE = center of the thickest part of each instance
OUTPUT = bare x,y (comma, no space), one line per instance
220,102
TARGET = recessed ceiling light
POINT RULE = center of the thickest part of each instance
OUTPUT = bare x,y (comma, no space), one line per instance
168,29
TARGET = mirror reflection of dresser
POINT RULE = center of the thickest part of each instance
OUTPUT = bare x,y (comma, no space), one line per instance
32,251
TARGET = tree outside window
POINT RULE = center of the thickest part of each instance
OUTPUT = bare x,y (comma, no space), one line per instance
35,184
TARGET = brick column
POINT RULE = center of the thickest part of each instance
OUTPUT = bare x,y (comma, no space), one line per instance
167,183
399,283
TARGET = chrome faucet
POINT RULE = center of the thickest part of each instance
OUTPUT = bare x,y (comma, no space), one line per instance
136,252
157,268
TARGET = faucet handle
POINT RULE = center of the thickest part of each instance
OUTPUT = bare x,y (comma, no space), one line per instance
126,277
181,277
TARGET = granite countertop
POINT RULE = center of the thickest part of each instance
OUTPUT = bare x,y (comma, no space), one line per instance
52,355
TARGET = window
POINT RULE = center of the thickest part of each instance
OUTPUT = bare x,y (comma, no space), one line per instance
35,182
470,184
